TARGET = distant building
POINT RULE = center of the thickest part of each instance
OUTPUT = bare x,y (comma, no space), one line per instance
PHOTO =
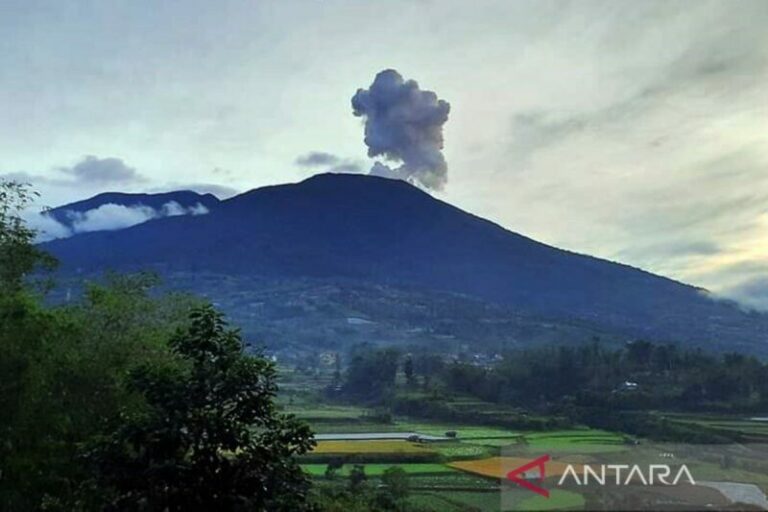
628,385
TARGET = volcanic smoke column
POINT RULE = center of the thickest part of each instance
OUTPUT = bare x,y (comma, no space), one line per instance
404,124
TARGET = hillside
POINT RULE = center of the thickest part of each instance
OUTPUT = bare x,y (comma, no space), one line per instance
387,232
185,199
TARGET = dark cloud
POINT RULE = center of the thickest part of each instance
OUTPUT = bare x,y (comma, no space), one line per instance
316,159
404,124
92,169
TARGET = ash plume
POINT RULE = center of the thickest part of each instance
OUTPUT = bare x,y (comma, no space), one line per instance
404,124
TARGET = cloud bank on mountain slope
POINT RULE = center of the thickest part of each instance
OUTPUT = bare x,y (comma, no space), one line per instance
107,217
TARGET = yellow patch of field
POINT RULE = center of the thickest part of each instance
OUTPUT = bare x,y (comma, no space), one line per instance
498,467
370,447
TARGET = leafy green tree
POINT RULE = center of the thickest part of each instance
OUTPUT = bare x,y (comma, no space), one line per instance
211,436
395,480
18,254
62,381
394,490
371,374
357,478
408,370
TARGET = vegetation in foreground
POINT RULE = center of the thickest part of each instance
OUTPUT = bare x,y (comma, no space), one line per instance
129,401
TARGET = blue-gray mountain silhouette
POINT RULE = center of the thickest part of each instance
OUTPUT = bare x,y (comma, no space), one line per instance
386,231
184,198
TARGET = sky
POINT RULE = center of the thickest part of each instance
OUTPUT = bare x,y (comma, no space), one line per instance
632,131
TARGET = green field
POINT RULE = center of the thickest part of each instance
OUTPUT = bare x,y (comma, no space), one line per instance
558,500
575,441
458,501
378,469
758,430
436,486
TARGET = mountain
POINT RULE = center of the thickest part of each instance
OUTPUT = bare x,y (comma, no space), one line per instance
185,199
387,232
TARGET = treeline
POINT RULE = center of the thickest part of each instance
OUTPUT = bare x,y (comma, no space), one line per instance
639,376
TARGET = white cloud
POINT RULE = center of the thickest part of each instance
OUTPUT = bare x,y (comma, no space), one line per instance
107,217
47,227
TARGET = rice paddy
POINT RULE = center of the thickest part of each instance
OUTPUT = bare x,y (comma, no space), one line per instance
371,447
378,469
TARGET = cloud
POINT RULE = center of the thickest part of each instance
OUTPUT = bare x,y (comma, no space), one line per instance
106,217
330,163
317,158
89,172
45,226
404,124
92,169
753,293
652,144
109,217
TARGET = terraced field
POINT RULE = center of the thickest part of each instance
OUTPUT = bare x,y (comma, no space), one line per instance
754,430
575,441
372,448
378,469
497,467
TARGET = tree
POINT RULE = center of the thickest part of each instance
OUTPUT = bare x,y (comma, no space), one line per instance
408,370
210,437
357,478
395,481
62,381
18,254
371,374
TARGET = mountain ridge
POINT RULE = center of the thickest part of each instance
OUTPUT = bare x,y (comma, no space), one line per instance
387,231
156,201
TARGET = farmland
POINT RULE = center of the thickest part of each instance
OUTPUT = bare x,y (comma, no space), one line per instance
370,447
458,465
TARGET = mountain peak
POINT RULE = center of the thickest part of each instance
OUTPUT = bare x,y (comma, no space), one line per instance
384,231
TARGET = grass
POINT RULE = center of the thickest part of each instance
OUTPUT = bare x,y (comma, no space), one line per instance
730,423
575,441
459,450
492,442
457,501
453,479
558,441
378,469
463,431
325,412
558,500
